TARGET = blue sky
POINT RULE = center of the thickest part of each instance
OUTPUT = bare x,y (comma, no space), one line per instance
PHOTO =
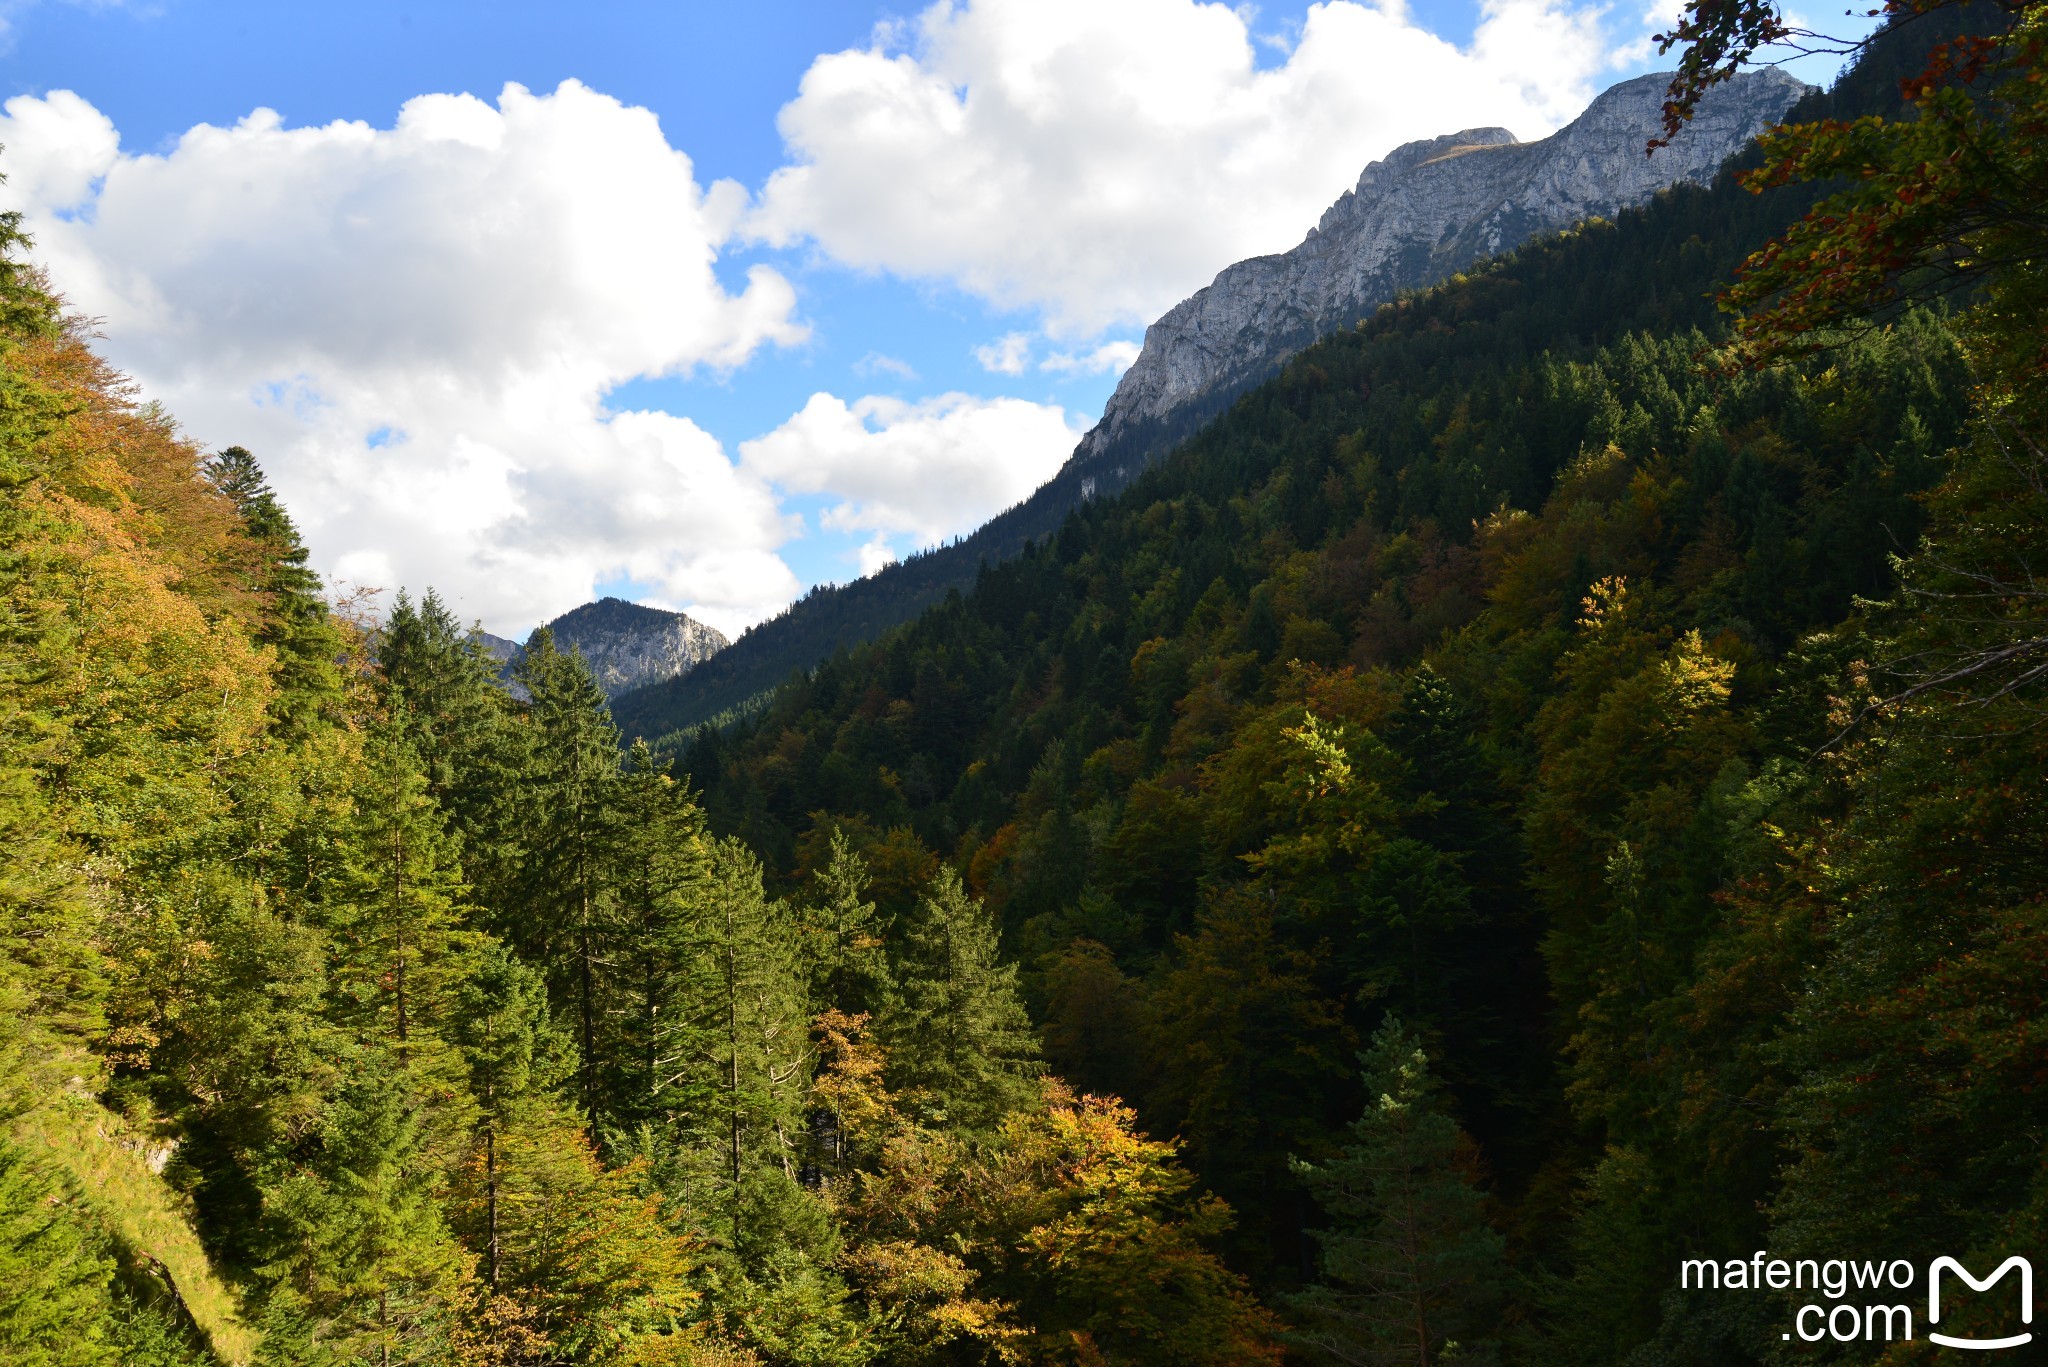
943,233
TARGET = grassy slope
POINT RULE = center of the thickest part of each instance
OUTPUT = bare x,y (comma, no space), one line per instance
150,1224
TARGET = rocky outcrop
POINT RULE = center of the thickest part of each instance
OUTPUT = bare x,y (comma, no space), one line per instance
627,645
1429,209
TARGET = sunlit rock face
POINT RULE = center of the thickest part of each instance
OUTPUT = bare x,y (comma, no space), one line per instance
1428,210
627,645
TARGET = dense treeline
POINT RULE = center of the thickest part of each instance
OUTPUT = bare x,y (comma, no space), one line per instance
1500,686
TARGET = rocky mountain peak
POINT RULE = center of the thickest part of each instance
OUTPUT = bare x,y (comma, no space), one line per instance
628,644
1422,212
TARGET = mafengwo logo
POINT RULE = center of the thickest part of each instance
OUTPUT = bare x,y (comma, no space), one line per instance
1858,1304
2012,1264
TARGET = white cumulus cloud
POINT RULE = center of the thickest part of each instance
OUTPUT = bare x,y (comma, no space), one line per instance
875,554
414,328
926,470
1111,358
1100,162
1008,354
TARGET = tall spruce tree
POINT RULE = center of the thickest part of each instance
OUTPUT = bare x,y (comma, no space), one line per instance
565,894
362,1264
664,959
444,687
501,1025
957,1033
839,936
53,1270
394,912
757,1068
296,623
1410,1267
1487,999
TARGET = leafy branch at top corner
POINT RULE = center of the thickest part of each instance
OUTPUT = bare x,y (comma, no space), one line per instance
1944,196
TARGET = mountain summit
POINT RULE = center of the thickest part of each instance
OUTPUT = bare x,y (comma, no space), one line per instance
1427,210
1424,212
629,646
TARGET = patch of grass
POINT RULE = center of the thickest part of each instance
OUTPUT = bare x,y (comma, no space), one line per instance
108,1159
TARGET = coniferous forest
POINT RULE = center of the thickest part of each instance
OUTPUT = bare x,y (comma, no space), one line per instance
1550,787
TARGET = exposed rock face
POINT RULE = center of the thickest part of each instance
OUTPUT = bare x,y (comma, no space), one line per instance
627,645
499,648
1430,209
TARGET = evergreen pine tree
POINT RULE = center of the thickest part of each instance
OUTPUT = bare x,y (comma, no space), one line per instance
758,1066
956,1032
501,1025
663,961
1486,997
395,916
839,936
296,622
1247,1055
564,901
53,1271
363,1266
724,1132
444,687
1450,787
1409,1265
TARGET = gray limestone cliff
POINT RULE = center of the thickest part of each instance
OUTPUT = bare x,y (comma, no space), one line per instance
627,645
1428,210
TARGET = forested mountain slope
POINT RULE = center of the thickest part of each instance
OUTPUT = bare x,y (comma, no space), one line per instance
1429,208
1478,673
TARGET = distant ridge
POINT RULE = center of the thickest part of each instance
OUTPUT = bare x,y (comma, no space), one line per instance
1427,210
